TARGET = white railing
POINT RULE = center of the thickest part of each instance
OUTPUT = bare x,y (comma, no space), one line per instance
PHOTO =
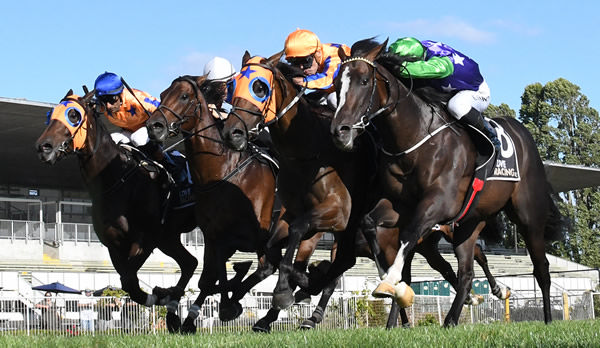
80,315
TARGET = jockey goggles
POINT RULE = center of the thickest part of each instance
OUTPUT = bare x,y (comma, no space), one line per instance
301,62
71,114
109,98
243,86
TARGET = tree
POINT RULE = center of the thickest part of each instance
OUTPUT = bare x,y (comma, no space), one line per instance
501,110
567,130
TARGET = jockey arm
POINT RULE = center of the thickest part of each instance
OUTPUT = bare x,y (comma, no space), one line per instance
323,79
433,68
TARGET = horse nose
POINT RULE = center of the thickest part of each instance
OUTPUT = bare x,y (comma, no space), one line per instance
157,130
237,138
341,131
44,148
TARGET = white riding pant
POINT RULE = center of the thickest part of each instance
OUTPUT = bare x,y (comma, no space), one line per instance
138,138
463,101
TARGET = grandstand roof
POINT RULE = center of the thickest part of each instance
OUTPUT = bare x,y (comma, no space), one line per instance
22,121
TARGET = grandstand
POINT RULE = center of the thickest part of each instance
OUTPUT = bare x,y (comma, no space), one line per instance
46,235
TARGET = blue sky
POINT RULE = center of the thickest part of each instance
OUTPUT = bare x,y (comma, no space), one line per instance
51,46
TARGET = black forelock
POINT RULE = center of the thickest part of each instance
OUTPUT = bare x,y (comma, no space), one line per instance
362,47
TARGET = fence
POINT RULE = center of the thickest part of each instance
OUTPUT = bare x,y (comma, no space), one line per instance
79,315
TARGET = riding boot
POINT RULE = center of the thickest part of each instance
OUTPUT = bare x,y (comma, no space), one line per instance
475,119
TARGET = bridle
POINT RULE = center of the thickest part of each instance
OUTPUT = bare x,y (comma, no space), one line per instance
262,113
393,98
193,104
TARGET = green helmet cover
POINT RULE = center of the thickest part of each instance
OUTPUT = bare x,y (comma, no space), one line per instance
408,47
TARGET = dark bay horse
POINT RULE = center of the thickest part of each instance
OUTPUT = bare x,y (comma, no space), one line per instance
127,200
426,169
234,191
317,182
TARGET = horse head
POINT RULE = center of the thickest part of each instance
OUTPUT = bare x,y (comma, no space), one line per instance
181,108
255,94
362,90
67,129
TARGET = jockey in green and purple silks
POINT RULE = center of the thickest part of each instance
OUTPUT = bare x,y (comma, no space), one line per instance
448,70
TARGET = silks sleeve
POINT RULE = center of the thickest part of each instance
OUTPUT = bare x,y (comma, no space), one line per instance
434,68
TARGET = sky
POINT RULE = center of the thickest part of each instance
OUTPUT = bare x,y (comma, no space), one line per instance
48,47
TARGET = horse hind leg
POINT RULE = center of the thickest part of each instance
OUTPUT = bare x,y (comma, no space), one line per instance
319,312
500,292
541,267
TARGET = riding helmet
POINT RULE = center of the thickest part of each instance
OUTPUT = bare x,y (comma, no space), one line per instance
219,69
108,84
301,43
408,47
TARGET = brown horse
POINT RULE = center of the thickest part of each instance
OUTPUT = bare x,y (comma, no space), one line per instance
127,200
317,182
425,171
234,193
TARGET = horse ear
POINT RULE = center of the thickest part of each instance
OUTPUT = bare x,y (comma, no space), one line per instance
70,92
246,57
274,59
342,53
375,52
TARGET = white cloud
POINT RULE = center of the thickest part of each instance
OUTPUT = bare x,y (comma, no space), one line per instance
445,27
517,28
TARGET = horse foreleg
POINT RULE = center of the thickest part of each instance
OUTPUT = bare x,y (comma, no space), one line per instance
283,296
170,297
319,312
264,323
127,267
207,286
465,238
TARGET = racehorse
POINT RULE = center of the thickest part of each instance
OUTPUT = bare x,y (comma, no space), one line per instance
425,171
234,191
317,182
128,201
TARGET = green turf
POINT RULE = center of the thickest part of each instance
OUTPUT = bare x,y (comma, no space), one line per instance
528,334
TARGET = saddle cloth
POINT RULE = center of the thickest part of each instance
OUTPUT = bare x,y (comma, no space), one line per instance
506,166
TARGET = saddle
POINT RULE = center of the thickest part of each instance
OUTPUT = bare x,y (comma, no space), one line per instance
489,166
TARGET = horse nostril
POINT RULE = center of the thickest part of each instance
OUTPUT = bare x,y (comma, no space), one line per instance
45,148
344,128
237,132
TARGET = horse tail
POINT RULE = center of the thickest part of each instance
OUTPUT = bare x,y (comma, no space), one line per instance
554,229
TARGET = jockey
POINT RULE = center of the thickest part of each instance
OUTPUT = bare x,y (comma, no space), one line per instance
130,111
319,62
450,71
219,72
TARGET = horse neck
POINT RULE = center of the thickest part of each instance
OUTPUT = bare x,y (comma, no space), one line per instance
408,123
210,160
99,152
296,134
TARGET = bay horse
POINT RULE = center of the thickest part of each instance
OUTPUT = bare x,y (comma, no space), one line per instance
234,192
245,119
317,182
425,171
128,201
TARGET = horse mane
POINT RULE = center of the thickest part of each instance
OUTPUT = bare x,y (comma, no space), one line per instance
394,64
289,71
362,47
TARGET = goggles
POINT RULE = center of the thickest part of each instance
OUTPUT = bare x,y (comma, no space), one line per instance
302,62
109,99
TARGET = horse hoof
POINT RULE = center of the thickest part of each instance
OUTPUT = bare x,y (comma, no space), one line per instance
307,324
404,294
188,326
301,296
230,311
261,327
384,290
173,322
283,300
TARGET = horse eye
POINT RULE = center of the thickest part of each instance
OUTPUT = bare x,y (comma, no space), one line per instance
364,81
260,88
74,116
185,96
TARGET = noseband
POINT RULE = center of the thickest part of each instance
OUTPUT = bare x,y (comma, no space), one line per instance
262,114
175,127
366,117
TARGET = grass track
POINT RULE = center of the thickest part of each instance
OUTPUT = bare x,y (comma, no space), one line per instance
528,334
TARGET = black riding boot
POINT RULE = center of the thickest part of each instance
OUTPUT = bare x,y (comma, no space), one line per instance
475,119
